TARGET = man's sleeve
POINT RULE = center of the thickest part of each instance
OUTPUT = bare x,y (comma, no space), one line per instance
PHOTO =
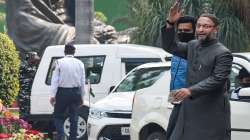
217,79
55,80
170,44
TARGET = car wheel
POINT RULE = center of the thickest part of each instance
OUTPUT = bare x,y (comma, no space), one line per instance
157,136
82,125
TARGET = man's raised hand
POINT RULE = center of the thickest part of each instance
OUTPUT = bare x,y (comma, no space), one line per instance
175,12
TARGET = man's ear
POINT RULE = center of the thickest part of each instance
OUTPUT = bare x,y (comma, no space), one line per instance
216,29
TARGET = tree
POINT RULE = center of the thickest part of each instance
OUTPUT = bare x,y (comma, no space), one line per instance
9,70
149,16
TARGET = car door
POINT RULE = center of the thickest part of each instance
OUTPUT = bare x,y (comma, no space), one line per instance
240,109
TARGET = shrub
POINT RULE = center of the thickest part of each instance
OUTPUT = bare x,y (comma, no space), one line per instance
9,70
100,16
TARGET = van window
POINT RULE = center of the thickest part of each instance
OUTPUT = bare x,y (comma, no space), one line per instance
141,78
93,68
131,63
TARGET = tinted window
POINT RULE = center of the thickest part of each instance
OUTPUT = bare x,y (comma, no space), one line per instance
141,78
93,68
131,63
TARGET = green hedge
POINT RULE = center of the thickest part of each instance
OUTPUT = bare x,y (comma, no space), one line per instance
9,70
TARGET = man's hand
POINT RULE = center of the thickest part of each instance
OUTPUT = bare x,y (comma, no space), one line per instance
175,12
181,94
52,101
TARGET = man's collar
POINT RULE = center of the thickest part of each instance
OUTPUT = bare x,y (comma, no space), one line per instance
68,55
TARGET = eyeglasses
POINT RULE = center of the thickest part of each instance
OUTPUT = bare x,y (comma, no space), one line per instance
205,26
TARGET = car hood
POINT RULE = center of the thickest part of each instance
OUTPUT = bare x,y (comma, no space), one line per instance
117,101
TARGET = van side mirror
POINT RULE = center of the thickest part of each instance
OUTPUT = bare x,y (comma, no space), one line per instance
244,94
168,58
111,88
91,92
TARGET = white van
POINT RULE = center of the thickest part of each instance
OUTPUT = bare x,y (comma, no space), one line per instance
105,65
151,110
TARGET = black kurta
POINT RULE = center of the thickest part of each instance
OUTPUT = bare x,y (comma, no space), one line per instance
206,114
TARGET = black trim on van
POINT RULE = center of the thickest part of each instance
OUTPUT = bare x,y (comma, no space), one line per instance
131,63
240,129
136,60
241,56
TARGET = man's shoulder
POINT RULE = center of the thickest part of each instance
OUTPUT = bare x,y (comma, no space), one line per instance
221,49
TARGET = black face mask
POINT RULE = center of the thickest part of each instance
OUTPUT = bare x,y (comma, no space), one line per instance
185,37
245,85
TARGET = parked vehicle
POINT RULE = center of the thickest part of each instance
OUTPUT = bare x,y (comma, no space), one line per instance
105,65
151,110
110,117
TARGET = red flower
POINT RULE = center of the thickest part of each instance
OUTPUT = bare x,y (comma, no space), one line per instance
4,136
34,132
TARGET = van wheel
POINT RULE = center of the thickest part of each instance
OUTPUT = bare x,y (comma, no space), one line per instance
157,136
82,124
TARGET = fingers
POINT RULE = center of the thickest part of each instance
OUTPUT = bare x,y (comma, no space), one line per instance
181,12
176,4
175,11
180,95
52,101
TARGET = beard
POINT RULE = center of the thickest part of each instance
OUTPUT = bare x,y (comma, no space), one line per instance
208,37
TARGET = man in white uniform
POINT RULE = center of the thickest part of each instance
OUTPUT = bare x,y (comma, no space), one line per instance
67,85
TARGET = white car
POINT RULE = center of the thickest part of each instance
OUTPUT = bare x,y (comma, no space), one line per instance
109,118
151,110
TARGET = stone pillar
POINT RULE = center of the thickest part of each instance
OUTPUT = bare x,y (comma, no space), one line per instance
83,23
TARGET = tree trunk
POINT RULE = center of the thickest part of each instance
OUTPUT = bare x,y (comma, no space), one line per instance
84,19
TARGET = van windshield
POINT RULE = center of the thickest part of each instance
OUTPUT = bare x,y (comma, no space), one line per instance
141,78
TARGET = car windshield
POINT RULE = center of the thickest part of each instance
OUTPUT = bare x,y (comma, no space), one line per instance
141,78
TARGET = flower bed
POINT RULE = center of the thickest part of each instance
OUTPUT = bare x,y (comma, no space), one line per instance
13,128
